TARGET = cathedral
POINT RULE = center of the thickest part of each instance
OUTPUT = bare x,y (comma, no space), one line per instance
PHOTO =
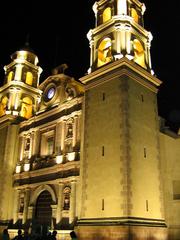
90,154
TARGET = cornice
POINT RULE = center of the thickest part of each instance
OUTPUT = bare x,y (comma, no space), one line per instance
20,61
6,120
24,86
59,171
127,221
51,116
119,20
119,68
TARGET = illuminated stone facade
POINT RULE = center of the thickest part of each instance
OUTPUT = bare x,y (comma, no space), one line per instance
90,155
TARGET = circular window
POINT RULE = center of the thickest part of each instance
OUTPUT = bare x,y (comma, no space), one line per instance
49,94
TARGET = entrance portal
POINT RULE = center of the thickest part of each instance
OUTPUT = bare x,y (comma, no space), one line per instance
43,212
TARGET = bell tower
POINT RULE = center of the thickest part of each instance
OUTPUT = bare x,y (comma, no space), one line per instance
19,98
121,192
20,95
119,32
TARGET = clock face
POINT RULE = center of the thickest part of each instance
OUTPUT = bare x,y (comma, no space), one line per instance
50,93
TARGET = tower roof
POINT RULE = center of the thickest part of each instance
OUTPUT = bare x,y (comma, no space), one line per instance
26,53
27,48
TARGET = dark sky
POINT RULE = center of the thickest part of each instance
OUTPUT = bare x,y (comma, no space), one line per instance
58,29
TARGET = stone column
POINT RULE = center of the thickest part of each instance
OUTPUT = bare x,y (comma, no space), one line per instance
63,134
30,216
59,205
92,50
122,30
72,211
30,212
18,72
54,211
16,205
147,50
121,7
92,57
117,43
22,148
31,148
17,99
58,139
26,205
75,131
36,142
128,40
10,99
95,9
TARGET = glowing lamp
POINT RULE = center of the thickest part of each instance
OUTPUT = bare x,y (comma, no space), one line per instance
26,167
59,159
18,168
15,113
130,57
71,156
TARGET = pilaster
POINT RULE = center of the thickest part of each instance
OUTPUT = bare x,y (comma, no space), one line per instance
72,210
16,205
26,205
60,203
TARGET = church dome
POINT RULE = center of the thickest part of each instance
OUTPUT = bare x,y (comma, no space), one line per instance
25,53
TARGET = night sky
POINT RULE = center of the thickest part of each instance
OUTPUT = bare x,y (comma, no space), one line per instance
57,34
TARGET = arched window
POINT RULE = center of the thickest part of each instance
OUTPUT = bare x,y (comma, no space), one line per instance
139,55
29,78
66,196
134,15
26,108
106,14
104,52
10,76
3,105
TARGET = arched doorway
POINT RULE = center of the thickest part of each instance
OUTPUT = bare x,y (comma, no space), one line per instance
43,211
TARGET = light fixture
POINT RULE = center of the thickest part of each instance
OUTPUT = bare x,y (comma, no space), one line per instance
26,167
71,156
18,168
59,159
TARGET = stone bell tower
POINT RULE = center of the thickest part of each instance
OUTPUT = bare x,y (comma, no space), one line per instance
119,33
121,193
19,97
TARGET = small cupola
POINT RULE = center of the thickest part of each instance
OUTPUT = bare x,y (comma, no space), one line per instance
23,67
20,95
